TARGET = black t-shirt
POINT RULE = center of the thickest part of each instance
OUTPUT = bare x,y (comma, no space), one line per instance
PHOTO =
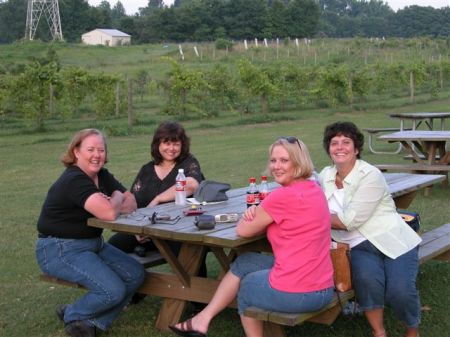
147,184
63,214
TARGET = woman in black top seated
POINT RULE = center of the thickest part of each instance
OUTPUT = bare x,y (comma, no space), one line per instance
69,249
155,182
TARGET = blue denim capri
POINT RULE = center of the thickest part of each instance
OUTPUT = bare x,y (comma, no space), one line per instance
378,279
253,271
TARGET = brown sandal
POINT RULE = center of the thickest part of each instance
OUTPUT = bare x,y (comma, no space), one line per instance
187,331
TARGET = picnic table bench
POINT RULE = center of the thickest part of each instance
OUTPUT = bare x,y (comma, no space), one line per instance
374,132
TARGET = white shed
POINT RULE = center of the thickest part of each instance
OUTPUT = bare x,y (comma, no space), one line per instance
106,37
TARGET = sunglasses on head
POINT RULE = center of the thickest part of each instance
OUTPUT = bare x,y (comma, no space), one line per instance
292,140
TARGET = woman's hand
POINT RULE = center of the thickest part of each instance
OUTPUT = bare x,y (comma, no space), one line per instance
249,213
129,204
142,239
254,222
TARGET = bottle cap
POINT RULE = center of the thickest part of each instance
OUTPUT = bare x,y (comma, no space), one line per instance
263,177
252,179
181,170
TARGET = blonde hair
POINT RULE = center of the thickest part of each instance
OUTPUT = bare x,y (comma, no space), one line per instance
298,154
68,158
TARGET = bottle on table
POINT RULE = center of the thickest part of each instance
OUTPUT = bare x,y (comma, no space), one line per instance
252,193
180,188
263,188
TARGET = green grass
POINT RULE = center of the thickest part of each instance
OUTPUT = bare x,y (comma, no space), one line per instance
229,150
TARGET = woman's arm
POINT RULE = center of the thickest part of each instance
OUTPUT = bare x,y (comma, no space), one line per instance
129,203
254,222
169,194
104,207
367,196
336,223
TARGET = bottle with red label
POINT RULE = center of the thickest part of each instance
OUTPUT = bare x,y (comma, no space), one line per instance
180,188
263,188
252,193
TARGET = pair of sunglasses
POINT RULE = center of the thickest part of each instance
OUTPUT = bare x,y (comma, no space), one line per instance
155,218
291,140
163,219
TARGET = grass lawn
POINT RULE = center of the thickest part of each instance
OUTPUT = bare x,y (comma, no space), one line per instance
227,152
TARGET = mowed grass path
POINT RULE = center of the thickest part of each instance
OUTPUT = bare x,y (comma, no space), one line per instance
30,164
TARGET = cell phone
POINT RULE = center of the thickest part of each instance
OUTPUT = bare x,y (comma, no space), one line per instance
192,211
227,217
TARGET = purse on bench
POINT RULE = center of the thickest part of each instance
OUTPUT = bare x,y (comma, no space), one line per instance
340,256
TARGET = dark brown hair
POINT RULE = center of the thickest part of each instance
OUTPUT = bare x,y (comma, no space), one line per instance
170,131
347,129
68,158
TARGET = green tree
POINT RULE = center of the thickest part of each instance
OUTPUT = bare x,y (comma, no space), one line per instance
182,84
245,19
276,20
302,17
12,20
76,19
76,87
117,13
257,82
32,91
142,79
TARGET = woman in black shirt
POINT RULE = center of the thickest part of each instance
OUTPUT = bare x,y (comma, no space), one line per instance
155,182
69,249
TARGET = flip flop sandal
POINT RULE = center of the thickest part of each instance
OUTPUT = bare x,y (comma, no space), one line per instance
189,332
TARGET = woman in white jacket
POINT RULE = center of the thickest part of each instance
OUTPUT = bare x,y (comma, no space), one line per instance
384,249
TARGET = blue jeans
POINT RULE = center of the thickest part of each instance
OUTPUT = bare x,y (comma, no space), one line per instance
378,279
253,270
110,276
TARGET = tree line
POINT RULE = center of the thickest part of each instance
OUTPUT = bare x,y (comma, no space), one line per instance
208,20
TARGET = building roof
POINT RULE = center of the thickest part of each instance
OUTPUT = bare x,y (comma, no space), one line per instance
111,32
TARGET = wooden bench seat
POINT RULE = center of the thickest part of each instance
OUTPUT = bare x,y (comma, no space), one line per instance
274,321
151,259
435,245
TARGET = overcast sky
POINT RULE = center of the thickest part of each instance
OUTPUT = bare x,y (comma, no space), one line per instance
132,6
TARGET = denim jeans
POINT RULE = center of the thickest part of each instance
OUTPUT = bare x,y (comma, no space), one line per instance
110,276
253,270
378,279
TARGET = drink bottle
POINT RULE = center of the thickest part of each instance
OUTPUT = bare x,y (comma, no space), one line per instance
252,193
180,188
263,188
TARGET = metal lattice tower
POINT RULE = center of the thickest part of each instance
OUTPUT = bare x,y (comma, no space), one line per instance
50,9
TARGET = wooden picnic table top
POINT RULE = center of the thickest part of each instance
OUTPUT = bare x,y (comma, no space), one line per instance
419,115
224,234
417,135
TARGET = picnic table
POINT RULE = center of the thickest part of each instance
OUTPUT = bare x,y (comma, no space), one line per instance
182,284
417,118
422,145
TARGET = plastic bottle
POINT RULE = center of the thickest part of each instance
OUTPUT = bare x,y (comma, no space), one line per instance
263,188
180,188
252,193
